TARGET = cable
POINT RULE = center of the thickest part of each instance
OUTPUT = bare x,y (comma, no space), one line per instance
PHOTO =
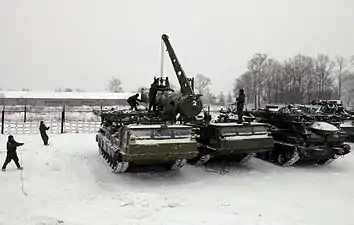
21,176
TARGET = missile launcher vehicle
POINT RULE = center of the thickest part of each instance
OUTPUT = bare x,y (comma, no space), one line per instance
299,137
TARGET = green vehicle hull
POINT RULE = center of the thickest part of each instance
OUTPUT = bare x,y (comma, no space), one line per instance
146,145
234,141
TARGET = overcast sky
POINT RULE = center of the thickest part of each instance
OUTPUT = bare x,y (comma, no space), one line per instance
46,44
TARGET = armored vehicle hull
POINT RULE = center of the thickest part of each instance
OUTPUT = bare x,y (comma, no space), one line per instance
300,138
332,113
146,145
233,141
348,127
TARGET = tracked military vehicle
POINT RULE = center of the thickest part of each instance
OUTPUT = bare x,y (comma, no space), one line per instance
124,143
226,139
153,138
300,137
331,111
218,139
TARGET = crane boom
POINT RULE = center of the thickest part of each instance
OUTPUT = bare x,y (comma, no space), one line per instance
186,88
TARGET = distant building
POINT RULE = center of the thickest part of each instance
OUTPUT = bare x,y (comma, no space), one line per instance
31,98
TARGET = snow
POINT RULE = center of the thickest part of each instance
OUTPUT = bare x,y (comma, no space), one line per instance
232,124
157,126
164,141
247,137
63,95
324,126
68,183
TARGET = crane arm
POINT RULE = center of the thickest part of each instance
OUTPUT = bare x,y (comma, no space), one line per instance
186,88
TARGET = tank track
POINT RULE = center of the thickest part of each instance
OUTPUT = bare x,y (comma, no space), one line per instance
117,165
286,158
281,158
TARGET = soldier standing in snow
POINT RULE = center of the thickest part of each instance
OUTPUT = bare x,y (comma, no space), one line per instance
11,153
42,130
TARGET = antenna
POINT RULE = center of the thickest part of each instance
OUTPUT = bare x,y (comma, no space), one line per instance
162,57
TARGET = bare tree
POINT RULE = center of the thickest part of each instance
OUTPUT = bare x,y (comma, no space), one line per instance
202,84
229,99
342,72
255,65
114,85
348,89
63,90
221,99
245,82
323,71
296,80
297,71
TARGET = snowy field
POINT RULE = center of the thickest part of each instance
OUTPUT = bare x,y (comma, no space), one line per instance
68,183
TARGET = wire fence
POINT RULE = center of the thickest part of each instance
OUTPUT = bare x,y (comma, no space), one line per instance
18,127
26,119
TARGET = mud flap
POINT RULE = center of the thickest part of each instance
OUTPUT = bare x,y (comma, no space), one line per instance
203,159
293,160
178,164
247,158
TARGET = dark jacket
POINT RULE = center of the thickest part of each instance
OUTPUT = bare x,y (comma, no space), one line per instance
43,128
133,98
153,90
12,145
240,101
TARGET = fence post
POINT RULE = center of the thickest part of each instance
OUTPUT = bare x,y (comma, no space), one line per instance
25,116
2,121
62,120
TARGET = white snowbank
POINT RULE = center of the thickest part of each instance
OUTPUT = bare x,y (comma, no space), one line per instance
68,183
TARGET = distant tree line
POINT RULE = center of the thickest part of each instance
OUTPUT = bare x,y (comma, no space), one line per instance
68,90
202,86
299,79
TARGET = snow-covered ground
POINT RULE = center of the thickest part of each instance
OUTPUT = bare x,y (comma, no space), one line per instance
68,183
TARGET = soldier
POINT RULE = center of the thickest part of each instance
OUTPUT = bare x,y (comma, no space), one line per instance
240,104
11,153
152,96
133,101
42,130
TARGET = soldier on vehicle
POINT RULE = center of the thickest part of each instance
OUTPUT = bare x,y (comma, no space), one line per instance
42,129
133,102
11,153
240,104
152,95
